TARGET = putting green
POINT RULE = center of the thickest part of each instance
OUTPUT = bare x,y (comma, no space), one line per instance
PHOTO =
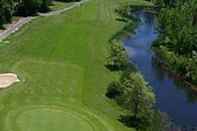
51,118
60,62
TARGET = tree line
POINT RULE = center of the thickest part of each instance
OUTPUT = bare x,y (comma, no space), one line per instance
130,91
9,8
177,44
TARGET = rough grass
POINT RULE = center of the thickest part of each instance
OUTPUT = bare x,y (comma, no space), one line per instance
56,5
60,61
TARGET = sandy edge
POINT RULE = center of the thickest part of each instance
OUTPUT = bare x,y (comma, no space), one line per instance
7,79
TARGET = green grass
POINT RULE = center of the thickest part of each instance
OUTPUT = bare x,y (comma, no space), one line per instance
60,62
52,118
136,3
56,5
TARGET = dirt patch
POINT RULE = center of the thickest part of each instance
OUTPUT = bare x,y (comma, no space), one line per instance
8,79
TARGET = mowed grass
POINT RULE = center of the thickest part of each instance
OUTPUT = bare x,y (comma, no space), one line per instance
60,62
56,5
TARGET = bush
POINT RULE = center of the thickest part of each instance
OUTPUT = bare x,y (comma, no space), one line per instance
118,59
133,94
184,66
31,7
6,11
192,70
114,90
177,42
44,6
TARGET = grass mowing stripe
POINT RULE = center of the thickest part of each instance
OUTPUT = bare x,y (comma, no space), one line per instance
61,61
81,113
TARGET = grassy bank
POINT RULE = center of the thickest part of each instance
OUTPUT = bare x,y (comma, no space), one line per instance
57,5
60,62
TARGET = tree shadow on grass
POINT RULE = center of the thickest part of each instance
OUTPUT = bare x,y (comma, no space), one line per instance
130,121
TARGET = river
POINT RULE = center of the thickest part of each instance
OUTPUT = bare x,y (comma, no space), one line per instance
172,96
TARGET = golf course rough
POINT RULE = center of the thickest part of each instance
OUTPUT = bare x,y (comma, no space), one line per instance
60,62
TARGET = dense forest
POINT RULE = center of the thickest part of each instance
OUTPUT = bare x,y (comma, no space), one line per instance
177,45
8,8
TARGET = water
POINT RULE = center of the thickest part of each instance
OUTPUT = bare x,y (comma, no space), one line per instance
177,100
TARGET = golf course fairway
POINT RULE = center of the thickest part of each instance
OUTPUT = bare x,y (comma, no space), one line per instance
60,63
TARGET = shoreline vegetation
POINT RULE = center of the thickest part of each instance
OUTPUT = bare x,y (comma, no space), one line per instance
176,47
131,91
60,62
164,64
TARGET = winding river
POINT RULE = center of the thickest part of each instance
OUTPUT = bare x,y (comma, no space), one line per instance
173,97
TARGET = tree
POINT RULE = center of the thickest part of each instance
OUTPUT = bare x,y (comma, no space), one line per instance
31,7
69,0
44,6
114,90
133,94
139,100
178,24
6,11
118,59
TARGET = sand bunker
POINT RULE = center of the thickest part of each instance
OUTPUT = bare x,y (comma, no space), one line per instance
8,79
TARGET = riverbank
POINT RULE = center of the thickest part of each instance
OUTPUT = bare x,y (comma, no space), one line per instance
60,62
171,63
176,45
134,23
168,91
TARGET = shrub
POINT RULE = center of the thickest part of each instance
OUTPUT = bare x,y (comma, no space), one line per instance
6,11
118,59
133,94
184,66
114,90
31,7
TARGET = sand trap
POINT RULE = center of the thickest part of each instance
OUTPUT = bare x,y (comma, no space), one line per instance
8,79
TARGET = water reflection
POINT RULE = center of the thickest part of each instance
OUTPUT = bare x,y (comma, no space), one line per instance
173,97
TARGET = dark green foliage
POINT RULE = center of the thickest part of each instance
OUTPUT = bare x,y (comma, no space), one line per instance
44,6
139,98
20,7
23,8
31,7
165,3
133,94
117,59
69,0
177,44
160,122
28,7
178,28
123,11
181,65
6,10
114,90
